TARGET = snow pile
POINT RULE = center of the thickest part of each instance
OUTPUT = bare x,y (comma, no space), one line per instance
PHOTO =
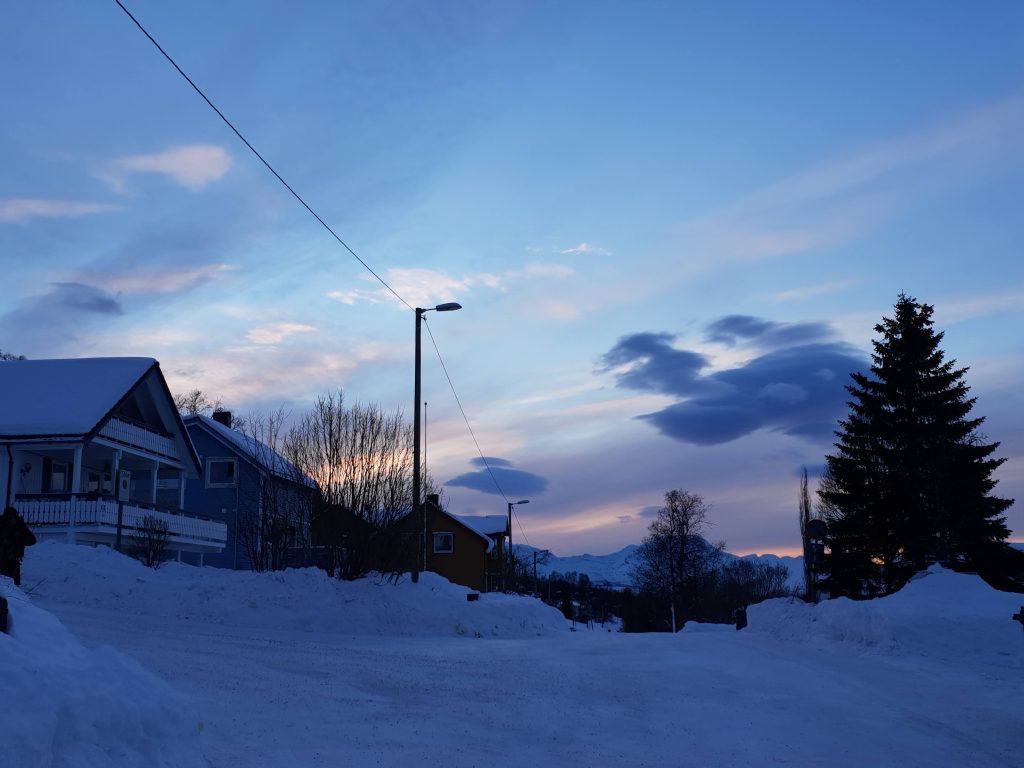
64,705
305,599
939,613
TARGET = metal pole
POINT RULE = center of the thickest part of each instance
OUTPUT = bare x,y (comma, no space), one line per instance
536,590
416,506
509,566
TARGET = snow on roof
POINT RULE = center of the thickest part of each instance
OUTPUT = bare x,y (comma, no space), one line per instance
46,398
252,449
484,525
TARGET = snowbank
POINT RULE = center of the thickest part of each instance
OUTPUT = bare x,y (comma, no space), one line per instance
939,613
64,705
304,599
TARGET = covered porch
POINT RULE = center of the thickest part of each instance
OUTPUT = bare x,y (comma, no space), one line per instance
101,490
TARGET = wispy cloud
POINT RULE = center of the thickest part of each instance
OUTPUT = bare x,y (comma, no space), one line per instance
18,209
193,166
839,200
587,248
425,287
153,279
810,291
272,333
418,286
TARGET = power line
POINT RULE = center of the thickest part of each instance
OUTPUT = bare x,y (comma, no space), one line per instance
334,234
263,160
472,434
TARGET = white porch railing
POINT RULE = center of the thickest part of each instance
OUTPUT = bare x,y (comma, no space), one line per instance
140,437
101,514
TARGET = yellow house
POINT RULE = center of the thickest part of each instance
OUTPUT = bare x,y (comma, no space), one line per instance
467,550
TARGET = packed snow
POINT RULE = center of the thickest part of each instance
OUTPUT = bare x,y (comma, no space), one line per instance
296,669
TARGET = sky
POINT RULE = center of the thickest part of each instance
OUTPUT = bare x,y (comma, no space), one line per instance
672,227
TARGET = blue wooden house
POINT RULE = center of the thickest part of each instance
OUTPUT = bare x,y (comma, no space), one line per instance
264,500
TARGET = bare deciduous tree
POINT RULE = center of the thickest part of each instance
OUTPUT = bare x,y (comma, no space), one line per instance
276,503
360,459
674,561
196,402
150,541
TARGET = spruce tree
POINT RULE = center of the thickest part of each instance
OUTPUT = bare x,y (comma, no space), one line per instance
910,481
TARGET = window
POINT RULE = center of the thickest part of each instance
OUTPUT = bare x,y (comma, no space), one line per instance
221,473
56,476
98,482
444,542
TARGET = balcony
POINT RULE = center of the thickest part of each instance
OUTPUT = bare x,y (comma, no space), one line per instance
95,521
140,437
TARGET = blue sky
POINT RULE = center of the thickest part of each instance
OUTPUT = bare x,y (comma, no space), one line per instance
672,226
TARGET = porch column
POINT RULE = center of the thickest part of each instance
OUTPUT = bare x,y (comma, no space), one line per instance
154,473
12,465
76,472
181,489
115,469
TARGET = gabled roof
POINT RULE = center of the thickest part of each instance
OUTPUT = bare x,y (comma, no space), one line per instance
250,449
64,398
483,526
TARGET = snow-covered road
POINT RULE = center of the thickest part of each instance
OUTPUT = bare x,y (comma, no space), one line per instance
272,697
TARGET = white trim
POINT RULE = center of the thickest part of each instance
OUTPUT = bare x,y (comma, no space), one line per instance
206,473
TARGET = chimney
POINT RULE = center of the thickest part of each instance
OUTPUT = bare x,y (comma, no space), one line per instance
433,500
223,417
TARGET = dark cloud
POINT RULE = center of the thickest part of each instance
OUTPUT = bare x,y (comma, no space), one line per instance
58,315
77,298
624,518
648,512
514,482
490,461
797,389
767,333
656,365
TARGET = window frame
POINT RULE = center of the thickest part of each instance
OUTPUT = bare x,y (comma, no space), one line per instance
234,476
451,539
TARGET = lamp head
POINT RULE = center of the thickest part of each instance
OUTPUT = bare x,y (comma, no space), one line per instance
451,306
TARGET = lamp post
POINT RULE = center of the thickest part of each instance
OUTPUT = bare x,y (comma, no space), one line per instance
417,506
508,565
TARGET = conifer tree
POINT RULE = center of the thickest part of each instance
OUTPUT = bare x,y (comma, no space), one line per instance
910,481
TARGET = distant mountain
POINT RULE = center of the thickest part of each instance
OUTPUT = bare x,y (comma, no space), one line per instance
615,569
795,565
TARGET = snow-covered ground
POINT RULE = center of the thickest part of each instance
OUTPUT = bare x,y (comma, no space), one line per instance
294,669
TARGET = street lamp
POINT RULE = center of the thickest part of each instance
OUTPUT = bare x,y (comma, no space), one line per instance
509,564
416,505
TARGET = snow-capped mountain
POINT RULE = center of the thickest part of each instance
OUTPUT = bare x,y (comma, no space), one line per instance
615,569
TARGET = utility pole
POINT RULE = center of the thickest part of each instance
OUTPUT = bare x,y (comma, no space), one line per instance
417,506
535,588
511,559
